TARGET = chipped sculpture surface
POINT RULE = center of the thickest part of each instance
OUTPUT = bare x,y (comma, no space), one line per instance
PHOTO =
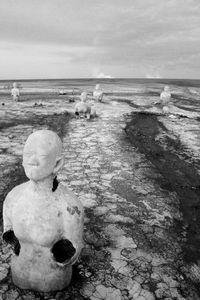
98,93
83,109
43,220
165,98
15,92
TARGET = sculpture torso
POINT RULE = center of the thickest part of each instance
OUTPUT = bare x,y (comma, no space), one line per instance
165,97
15,92
82,107
36,217
98,94
40,218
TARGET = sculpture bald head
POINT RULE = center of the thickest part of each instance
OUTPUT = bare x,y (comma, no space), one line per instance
42,155
166,88
15,84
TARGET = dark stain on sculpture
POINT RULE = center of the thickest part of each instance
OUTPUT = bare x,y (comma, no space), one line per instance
72,210
55,184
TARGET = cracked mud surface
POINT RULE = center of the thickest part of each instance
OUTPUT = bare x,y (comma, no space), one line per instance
133,245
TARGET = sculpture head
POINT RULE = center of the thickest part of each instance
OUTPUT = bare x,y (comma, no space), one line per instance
15,84
97,86
83,96
42,155
166,88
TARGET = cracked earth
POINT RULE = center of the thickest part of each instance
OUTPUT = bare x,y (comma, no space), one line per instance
131,251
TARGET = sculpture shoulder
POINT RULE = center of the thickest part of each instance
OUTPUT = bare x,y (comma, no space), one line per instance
15,192
13,195
162,94
78,104
70,197
97,92
165,95
14,90
82,105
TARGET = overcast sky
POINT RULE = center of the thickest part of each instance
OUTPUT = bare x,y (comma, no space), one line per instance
97,38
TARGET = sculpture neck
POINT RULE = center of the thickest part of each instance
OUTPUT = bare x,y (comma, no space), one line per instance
45,184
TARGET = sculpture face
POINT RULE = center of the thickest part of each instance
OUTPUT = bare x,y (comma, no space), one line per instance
41,154
97,86
166,88
15,85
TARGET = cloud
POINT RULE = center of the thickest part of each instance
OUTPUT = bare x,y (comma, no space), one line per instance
96,73
122,38
102,75
156,76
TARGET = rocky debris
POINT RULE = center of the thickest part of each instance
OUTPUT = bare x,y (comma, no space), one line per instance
11,295
3,272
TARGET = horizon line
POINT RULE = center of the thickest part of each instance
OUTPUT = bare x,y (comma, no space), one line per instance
96,78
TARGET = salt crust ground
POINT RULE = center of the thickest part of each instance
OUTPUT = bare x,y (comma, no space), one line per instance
131,250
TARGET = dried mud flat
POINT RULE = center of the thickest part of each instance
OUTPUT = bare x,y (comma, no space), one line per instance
140,189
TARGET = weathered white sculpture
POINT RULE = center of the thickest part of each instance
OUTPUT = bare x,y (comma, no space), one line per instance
98,93
43,220
165,98
83,109
15,92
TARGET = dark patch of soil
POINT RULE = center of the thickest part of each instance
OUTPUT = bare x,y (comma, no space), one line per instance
55,122
178,175
142,93
128,101
187,103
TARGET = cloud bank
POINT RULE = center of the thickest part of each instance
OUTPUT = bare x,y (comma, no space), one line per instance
102,75
132,38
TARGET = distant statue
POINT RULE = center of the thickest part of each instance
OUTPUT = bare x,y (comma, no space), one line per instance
83,109
43,220
98,93
165,98
62,92
15,92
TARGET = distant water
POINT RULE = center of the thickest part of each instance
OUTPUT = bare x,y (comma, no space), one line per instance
182,87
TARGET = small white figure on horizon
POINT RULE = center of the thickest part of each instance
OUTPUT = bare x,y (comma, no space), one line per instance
83,109
62,92
15,92
165,98
98,93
